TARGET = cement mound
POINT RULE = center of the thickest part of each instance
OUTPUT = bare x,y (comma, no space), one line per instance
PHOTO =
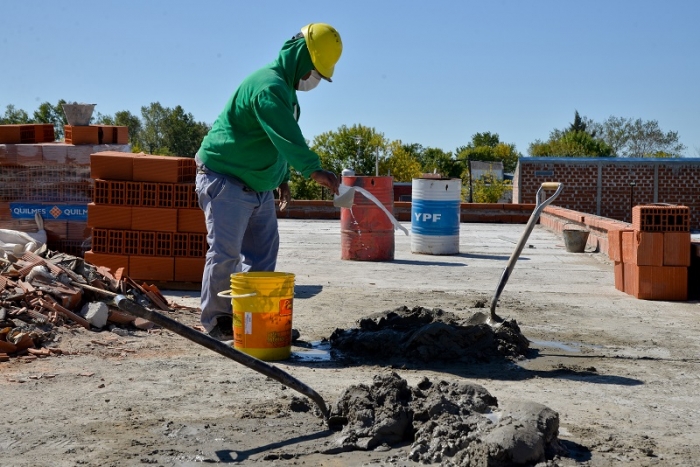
429,335
446,423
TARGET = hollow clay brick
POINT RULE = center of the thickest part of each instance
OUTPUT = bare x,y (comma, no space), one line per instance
191,220
615,244
677,249
643,248
656,282
164,169
108,216
189,269
81,134
111,165
157,219
113,262
151,268
619,269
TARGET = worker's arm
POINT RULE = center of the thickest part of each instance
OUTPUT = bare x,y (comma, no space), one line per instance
276,117
327,179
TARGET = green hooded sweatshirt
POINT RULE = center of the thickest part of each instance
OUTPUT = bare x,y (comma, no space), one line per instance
256,137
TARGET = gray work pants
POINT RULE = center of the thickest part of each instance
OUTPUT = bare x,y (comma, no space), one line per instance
242,236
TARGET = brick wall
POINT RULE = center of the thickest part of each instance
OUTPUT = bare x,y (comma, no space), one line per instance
603,186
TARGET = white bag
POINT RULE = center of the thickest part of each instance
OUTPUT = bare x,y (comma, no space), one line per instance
15,242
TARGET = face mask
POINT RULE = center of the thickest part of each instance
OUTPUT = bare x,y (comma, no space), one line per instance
309,83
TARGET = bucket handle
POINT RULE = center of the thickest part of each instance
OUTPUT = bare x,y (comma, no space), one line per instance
227,294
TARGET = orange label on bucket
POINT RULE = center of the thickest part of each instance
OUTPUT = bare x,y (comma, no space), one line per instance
286,306
262,330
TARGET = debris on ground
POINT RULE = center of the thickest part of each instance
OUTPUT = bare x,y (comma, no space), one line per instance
446,423
429,335
44,291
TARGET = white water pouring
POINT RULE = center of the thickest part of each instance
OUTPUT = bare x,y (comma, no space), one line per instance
346,199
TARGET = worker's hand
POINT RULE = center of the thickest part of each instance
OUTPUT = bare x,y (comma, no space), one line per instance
285,195
327,179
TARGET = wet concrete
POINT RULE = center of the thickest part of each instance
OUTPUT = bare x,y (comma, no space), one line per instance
446,423
429,335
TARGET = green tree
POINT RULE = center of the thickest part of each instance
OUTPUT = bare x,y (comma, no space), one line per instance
435,160
305,188
489,188
356,147
127,119
581,124
47,113
571,144
486,147
401,162
168,131
638,138
578,140
132,122
183,135
14,116
152,137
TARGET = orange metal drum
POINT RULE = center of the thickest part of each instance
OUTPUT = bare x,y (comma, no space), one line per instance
366,233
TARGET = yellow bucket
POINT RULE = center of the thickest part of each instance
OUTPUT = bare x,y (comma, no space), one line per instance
262,305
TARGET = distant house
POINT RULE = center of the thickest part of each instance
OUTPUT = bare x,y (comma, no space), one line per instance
481,168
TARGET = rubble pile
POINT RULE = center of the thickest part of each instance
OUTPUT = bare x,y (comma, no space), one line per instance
43,291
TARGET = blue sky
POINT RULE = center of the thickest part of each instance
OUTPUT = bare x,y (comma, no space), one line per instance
428,72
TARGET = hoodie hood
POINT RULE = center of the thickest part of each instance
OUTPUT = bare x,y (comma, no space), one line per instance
294,61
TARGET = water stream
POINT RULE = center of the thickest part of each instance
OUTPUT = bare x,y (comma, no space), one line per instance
371,197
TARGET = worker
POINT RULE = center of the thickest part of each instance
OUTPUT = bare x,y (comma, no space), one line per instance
247,155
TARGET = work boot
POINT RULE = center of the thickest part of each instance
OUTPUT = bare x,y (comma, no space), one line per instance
223,331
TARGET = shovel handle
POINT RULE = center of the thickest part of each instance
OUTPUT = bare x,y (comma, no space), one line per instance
227,294
493,318
550,185
223,349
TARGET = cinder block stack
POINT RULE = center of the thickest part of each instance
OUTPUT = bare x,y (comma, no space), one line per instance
145,218
652,258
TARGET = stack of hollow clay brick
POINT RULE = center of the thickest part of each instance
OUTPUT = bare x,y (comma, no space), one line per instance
652,258
96,134
48,177
31,133
145,218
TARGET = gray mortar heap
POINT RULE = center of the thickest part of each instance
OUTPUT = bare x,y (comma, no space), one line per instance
429,335
446,423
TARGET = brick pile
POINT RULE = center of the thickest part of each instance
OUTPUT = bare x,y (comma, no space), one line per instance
145,218
45,292
39,174
652,258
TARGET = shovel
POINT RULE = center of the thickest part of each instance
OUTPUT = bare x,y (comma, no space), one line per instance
212,344
493,318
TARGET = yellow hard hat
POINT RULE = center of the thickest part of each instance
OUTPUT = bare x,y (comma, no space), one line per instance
325,47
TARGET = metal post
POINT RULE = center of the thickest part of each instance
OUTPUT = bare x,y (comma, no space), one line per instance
376,163
469,168
358,140
632,184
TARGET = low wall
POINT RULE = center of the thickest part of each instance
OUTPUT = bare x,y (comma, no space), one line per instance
555,218
497,213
